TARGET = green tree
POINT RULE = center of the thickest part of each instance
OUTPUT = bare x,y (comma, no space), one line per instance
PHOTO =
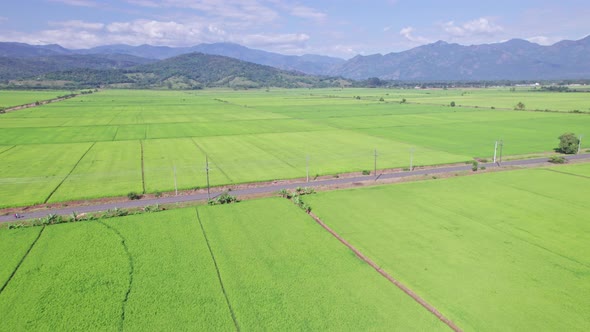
568,143
453,104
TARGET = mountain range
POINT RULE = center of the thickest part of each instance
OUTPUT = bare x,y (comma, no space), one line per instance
515,59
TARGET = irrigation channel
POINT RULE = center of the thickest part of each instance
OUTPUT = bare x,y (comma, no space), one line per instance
273,188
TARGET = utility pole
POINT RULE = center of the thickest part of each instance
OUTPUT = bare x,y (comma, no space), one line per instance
495,151
411,159
307,167
207,170
501,148
175,183
375,164
580,143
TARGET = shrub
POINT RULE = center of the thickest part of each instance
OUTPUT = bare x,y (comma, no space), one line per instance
133,195
224,198
158,194
482,168
308,191
284,193
475,166
152,208
568,143
520,106
453,104
366,172
557,160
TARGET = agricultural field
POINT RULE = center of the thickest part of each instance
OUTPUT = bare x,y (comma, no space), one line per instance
10,98
500,98
497,251
116,141
279,270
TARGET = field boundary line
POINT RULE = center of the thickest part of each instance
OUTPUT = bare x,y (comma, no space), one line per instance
22,260
115,135
567,173
142,167
394,281
214,163
10,148
69,173
131,270
37,103
231,310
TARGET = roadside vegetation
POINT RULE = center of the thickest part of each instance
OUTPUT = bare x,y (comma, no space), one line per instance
114,142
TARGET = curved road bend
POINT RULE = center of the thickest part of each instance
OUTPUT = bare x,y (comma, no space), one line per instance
272,188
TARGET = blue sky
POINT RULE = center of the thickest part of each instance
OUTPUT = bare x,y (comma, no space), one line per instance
342,28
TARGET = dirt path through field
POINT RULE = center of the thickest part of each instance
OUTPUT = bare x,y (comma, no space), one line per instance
254,190
394,281
37,103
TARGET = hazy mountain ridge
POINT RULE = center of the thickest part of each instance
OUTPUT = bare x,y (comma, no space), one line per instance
309,64
515,59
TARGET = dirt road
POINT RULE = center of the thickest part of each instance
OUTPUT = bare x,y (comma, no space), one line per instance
268,189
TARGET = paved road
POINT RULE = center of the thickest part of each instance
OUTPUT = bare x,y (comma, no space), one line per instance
274,188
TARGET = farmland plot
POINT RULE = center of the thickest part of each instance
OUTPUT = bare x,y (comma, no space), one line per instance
494,252
74,278
109,168
258,135
175,286
14,245
282,271
30,173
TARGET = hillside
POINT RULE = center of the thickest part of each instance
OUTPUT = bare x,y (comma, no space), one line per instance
512,60
31,67
309,64
147,65
192,71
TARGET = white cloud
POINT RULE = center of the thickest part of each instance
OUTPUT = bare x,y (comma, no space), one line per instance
77,24
78,3
293,39
80,34
480,26
307,13
408,33
543,40
251,11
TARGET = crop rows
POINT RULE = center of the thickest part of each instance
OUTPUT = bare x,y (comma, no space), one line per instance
494,252
165,271
248,136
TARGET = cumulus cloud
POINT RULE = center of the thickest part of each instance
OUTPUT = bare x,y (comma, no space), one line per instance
80,34
480,26
408,33
77,24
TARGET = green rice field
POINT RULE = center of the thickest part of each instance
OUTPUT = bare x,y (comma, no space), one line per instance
497,251
10,98
113,142
279,270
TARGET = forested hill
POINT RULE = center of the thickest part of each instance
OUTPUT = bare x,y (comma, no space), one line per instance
187,71
32,67
201,69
